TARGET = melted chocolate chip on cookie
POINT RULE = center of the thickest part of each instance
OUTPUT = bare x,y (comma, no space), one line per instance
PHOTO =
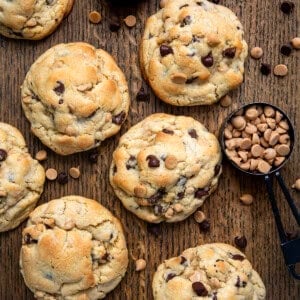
199,289
153,161
165,50
119,118
3,155
59,89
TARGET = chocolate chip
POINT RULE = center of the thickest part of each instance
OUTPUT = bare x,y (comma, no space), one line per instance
142,96
165,50
191,80
182,6
195,39
183,260
286,50
215,296
215,1
60,88
200,193
239,283
287,7
200,289
61,101
93,156
167,131
62,178
186,21
241,242
207,60
49,2
204,226
131,163
217,170
238,257
265,69
34,96
154,229
180,195
114,24
3,155
119,118
193,133
28,239
229,52
153,161
157,196
170,276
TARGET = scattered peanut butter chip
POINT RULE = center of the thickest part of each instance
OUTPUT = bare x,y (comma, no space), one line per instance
140,191
296,185
51,174
263,166
296,42
140,264
95,17
171,162
41,155
280,70
74,172
246,199
225,101
199,216
179,78
178,207
169,213
256,52
130,21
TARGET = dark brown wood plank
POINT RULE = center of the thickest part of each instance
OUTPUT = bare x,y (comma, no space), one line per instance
266,26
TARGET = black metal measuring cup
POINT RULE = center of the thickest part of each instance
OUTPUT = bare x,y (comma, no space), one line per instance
290,248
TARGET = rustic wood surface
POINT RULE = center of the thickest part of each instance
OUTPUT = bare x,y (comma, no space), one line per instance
266,26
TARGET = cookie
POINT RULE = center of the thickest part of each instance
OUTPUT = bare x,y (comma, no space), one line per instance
72,248
21,178
32,19
165,167
193,52
211,271
75,96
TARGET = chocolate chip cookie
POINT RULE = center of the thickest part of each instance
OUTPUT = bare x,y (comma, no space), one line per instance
32,19
165,167
21,178
192,52
75,96
73,248
211,271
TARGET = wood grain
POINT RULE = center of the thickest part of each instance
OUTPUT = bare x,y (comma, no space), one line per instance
266,26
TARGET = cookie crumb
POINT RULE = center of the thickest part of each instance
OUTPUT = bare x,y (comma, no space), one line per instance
74,172
130,21
41,155
296,42
256,52
226,101
296,185
280,70
95,17
247,199
51,174
199,216
140,264
240,242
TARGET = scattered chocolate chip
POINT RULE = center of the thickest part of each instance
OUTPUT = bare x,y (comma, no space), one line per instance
199,289
200,193
153,161
93,156
62,178
238,257
286,50
114,24
241,242
186,21
204,226
28,239
142,96
154,229
170,276
157,196
239,283
191,80
167,131
287,7
207,60
217,170
183,260
193,133
265,69
131,163
60,88
119,118
180,195
165,50
229,52
3,155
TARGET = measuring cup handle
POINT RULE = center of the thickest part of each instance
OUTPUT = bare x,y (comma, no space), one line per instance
288,197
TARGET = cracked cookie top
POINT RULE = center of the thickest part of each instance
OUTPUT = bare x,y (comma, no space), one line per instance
192,52
212,271
75,96
73,248
165,167
21,178
32,19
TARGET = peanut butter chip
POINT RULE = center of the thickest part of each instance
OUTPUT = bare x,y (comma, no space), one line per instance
263,167
162,3
74,172
253,164
274,137
238,122
284,139
256,52
225,101
296,42
267,134
279,160
296,185
213,39
140,191
283,150
179,78
199,216
41,155
269,111
284,125
178,207
227,133
3,193
257,150
245,144
171,162
130,21
251,113
140,264
262,127
269,153
51,174
280,70
169,213
95,17
246,199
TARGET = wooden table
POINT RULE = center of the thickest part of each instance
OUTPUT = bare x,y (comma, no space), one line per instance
266,26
